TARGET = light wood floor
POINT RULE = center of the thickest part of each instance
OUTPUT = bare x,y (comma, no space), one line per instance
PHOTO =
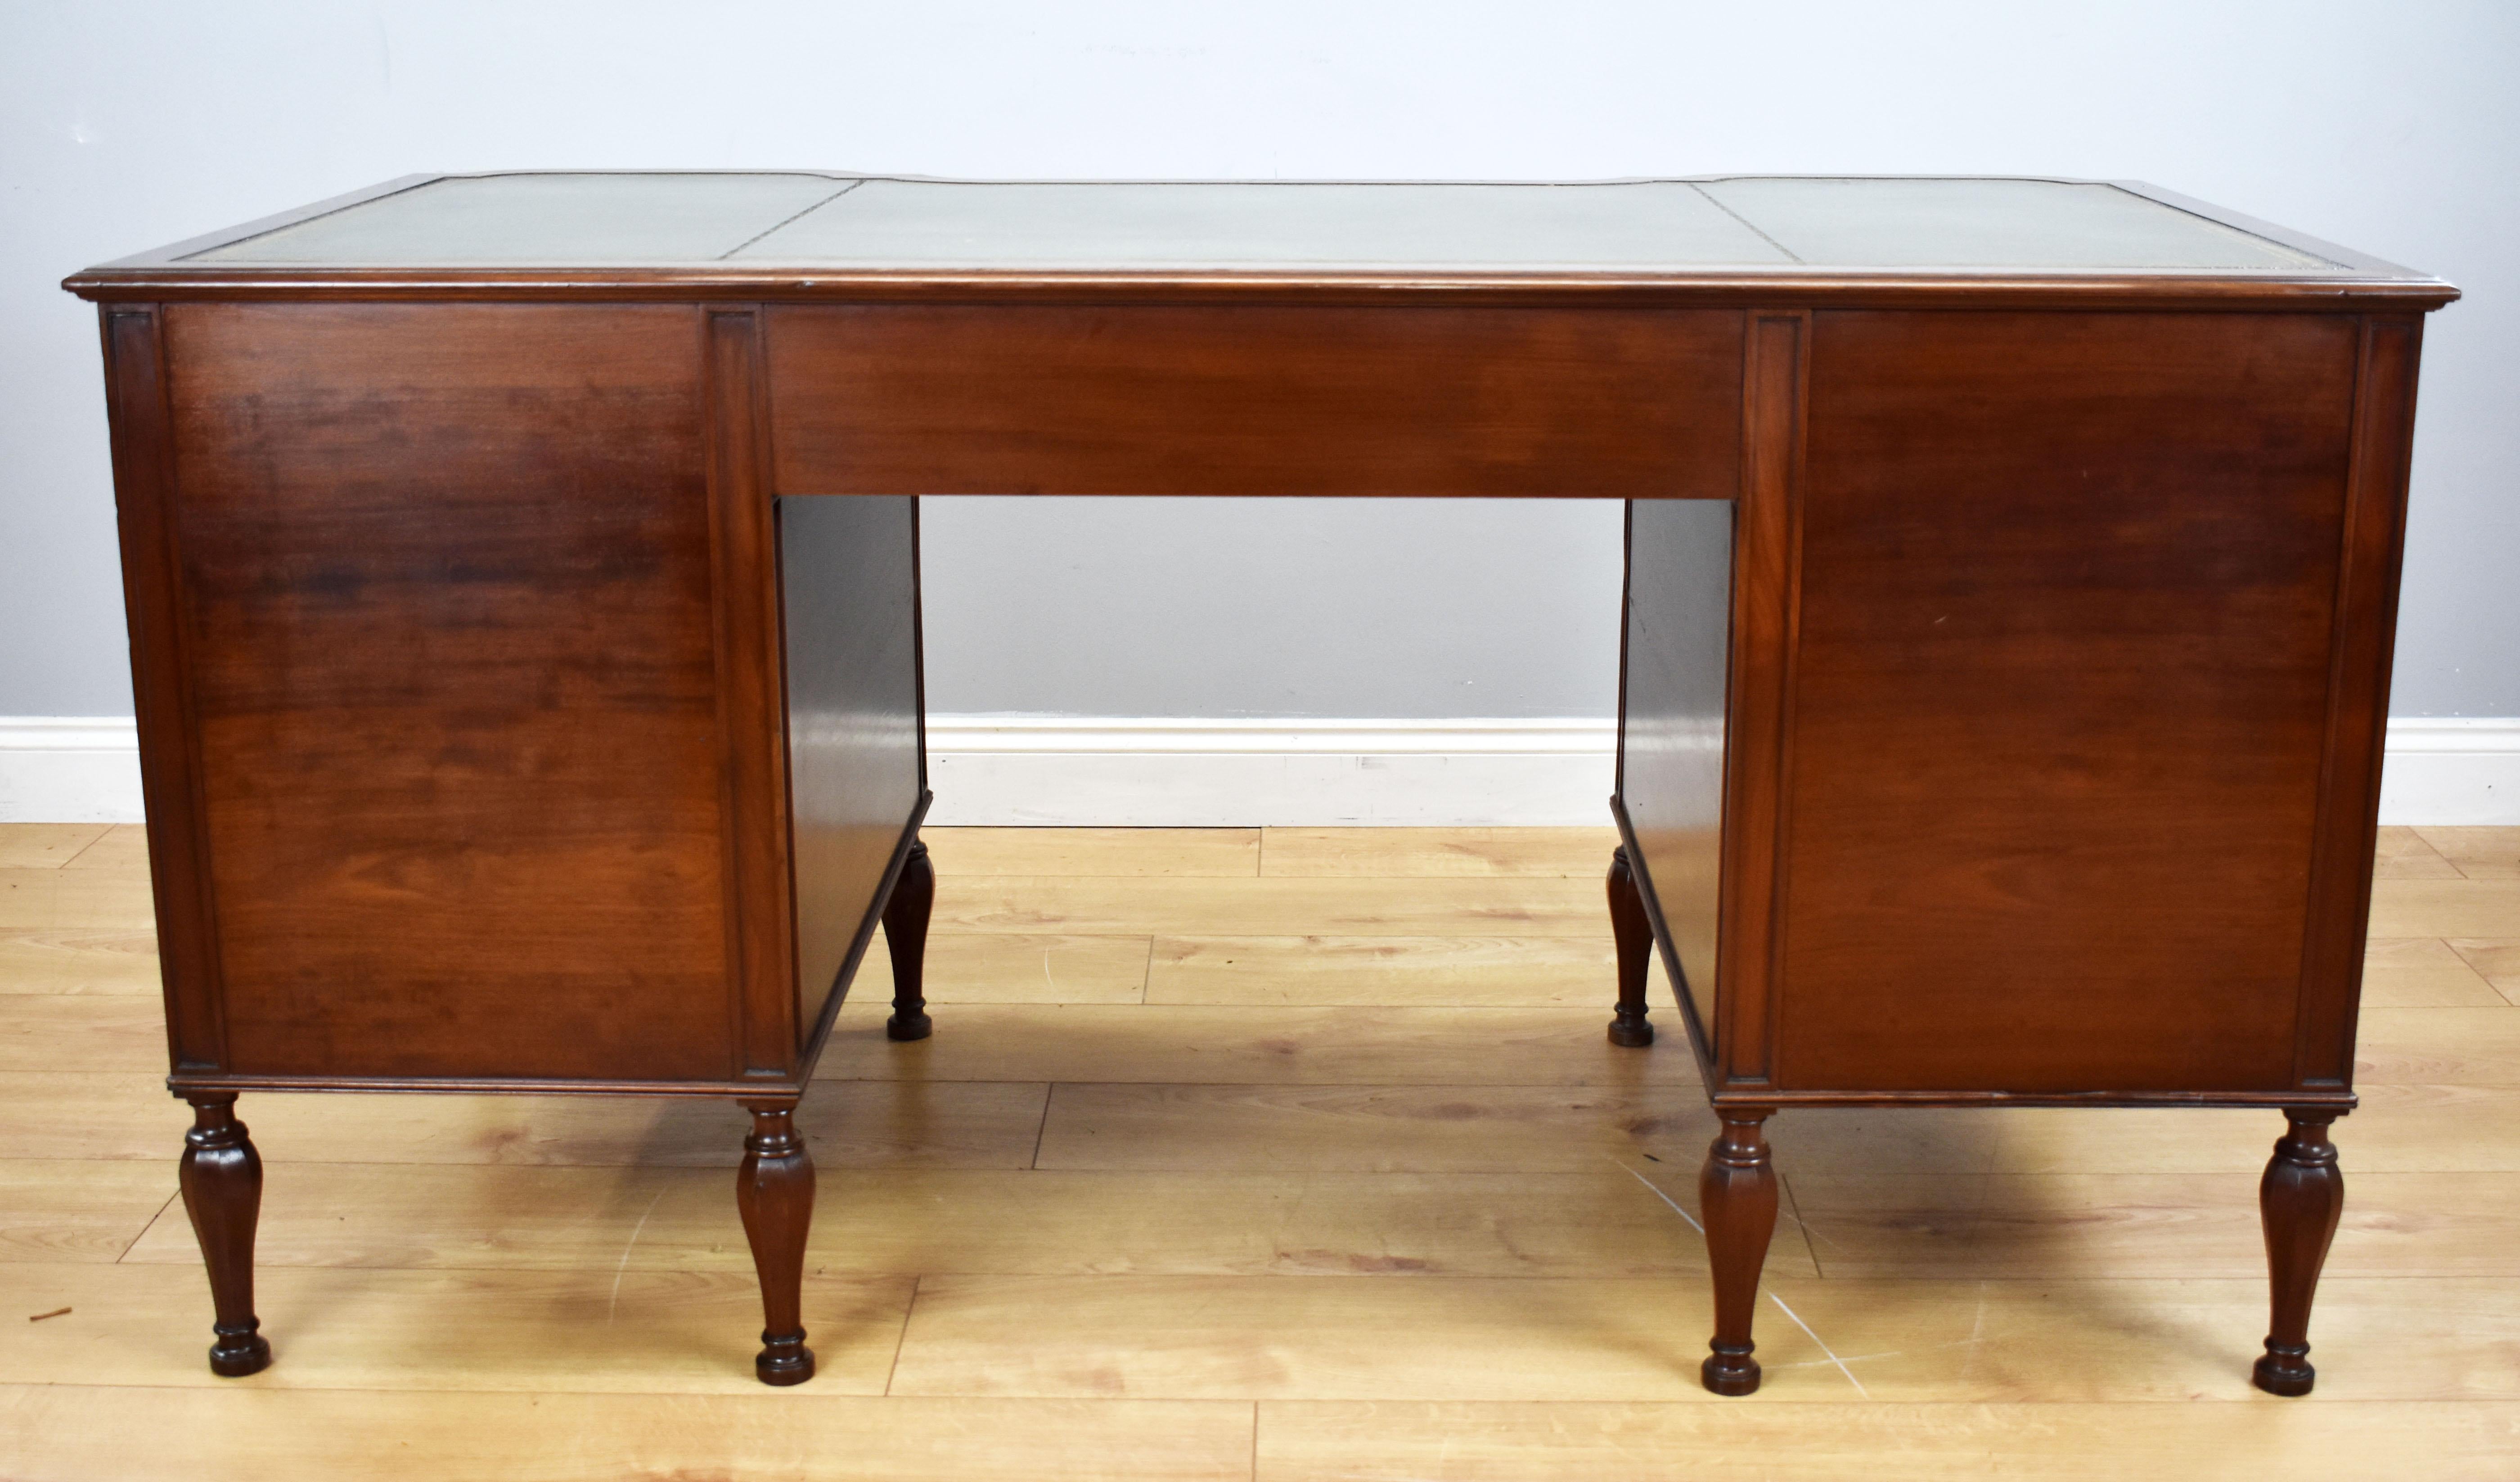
1285,1155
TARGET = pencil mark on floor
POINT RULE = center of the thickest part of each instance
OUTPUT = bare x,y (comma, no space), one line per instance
614,1304
1658,1193
1823,1347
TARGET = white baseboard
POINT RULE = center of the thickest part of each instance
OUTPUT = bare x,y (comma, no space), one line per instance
2451,771
1210,773
75,769
1192,773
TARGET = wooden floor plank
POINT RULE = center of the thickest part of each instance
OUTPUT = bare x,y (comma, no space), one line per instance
1192,1338
1559,853
991,967
57,899
1425,972
82,1031
1277,907
82,1433
2064,1227
45,847
1602,1222
848,1124
1472,1129
1196,1045
1364,1129
2496,959
125,1115
2480,854
2423,972
668,1332
123,848
1392,1442
1212,853
1282,1339
77,1211
2439,1046
79,960
2399,1128
2404,854
2445,908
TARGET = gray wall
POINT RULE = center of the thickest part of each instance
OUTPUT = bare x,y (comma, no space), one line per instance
2392,128
1369,607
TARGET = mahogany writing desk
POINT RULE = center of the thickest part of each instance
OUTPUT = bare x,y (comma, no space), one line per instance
522,580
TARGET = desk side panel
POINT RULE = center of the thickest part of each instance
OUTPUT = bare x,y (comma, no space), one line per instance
849,574
2068,589
1153,399
1672,723
448,570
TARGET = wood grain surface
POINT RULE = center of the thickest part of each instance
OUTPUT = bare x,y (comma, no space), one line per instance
2106,551
1155,399
447,587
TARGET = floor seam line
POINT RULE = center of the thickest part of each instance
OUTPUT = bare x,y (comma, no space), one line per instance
901,1339
145,1226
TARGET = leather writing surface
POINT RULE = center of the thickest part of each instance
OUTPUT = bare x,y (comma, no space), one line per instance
905,223
545,219
2049,225
1770,224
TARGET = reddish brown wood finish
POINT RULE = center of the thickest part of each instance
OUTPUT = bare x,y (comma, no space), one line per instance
155,600
2057,679
2300,1199
221,1177
1674,662
454,687
774,1188
905,940
1633,935
966,399
1767,582
2364,630
2061,615
1736,1193
761,957
856,762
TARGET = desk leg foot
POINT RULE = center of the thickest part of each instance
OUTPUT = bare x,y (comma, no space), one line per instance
905,936
221,1175
775,1191
1635,937
2299,1201
1737,1192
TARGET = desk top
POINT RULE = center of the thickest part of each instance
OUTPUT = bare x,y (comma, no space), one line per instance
809,231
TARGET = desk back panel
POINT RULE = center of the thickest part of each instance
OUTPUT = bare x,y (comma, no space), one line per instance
441,583
1156,400
2060,697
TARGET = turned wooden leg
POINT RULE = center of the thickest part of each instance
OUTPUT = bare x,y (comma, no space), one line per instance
774,1190
221,1175
1736,1192
1635,937
2298,1200
905,936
